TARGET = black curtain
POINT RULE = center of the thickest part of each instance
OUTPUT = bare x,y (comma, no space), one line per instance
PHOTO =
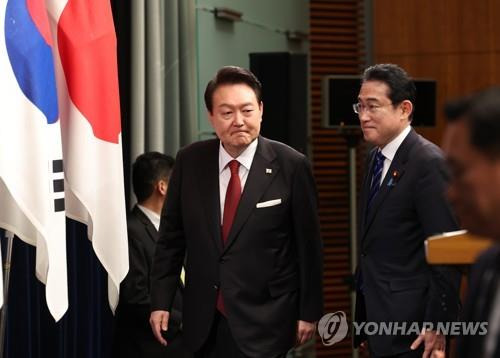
86,329
123,24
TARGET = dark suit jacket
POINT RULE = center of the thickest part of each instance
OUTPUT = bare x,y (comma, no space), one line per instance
134,337
483,283
270,270
397,283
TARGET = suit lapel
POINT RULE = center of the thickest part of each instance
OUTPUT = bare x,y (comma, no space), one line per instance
150,228
208,181
398,165
257,182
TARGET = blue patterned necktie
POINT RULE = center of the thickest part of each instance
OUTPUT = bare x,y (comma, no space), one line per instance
378,165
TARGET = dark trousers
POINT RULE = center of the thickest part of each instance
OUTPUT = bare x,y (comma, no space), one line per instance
134,337
220,343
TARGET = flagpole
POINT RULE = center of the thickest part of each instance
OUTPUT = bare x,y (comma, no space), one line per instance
3,319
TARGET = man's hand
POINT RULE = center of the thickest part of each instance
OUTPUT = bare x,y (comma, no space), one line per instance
438,354
305,331
434,343
159,322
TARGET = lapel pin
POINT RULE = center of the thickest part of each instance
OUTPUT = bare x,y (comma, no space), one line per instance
269,171
394,178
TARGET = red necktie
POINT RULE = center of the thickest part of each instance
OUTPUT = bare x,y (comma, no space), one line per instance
233,194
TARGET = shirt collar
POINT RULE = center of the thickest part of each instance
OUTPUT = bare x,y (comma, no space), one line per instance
389,151
245,158
152,216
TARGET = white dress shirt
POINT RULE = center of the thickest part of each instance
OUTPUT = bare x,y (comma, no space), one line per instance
390,149
245,159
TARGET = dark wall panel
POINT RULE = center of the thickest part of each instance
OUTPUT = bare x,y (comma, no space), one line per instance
284,81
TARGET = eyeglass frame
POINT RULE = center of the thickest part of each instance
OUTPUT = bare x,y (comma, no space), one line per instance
358,108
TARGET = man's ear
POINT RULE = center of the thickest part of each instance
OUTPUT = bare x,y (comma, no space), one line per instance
407,108
162,186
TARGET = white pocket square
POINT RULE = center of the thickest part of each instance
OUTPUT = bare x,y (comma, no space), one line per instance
268,203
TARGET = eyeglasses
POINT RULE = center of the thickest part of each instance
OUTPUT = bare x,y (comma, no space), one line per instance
371,108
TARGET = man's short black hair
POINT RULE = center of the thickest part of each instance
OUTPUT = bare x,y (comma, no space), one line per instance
147,170
401,86
232,75
481,111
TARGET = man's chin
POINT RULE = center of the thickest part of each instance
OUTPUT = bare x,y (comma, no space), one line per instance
369,137
237,145
242,141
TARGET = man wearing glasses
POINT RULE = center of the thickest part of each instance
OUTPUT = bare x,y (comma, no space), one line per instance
402,203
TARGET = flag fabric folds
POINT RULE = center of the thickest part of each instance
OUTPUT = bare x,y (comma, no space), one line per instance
31,165
87,84
60,133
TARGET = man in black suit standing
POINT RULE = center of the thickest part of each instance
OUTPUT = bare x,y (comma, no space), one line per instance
402,203
472,145
150,176
244,210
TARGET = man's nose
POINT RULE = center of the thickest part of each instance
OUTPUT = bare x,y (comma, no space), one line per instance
238,119
363,115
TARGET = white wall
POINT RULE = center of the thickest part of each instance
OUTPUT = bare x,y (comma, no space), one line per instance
221,43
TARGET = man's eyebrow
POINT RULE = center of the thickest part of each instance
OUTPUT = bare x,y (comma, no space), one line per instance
369,99
232,106
224,105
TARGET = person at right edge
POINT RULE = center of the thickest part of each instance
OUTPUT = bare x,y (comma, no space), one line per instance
402,203
472,146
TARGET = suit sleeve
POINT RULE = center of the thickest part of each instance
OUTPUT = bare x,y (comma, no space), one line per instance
437,217
135,287
171,246
309,244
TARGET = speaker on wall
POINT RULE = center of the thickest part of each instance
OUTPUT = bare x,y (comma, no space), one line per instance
284,93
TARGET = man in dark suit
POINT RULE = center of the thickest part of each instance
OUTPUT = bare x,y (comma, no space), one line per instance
244,210
150,176
402,203
472,145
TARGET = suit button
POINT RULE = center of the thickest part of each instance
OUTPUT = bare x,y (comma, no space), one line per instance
363,254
